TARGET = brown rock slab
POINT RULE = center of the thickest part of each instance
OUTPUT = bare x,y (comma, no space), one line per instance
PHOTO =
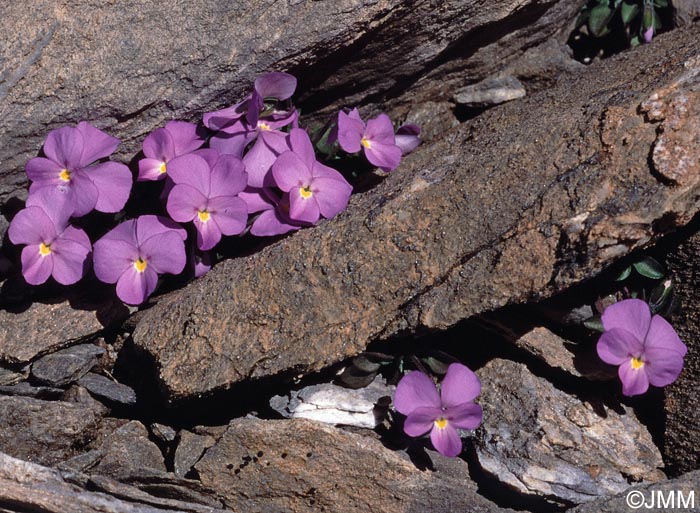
190,448
43,328
45,432
542,441
298,465
550,348
515,205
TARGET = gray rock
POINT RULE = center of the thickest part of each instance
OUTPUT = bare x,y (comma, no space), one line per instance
105,388
333,404
190,448
685,12
491,91
541,441
45,432
66,366
162,432
675,495
79,395
298,466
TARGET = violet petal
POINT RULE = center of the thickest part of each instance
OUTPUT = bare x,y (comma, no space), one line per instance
632,315
113,181
634,381
415,390
464,416
446,441
460,385
421,420
36,268
617,345
96,144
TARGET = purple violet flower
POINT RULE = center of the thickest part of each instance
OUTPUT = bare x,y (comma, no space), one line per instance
69,152
259,158
407,138
133,254
646,348
164,144
648,34
376,138
237,126
54,248
208,196
440,413
314,189
274,219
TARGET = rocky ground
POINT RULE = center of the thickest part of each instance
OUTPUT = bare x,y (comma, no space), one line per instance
491,242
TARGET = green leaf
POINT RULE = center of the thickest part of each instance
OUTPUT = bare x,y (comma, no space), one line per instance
650,268
594,323
628,11
624,274
600,17
635,41
365,364
660,296
436,366
661,3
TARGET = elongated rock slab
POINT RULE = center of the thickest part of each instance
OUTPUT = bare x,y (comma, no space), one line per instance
527,199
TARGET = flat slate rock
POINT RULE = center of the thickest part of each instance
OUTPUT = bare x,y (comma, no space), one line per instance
298,466
66,366
106,388
542,441
515,205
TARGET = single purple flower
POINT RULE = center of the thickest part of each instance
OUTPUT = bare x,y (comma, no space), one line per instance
274,85
376,138
314,189
53,247
69,152
646,349
648,34
133,254
407,138
440,413
164,144
208,196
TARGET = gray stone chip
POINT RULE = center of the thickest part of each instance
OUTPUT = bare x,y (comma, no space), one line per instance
105,388
66,366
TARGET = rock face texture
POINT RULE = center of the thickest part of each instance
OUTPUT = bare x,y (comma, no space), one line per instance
540,440
298,465
682,437
114,65
482,218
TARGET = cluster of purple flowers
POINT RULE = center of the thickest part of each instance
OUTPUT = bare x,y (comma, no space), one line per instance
249,160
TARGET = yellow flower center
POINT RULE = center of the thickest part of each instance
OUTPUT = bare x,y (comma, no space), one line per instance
140,265
365,143
263,126
203,216
64,175
161,169
441,423
44,249
637,363
305,192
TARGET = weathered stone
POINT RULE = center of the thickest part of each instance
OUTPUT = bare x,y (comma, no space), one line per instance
682,401
45,432
298,465
106,388
334,404
43,328
678,495
540,440
79,395
550,348
182,68
491,91
190,448
10,377
162,432
25,389
127,450
685,12
480,219
66,366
